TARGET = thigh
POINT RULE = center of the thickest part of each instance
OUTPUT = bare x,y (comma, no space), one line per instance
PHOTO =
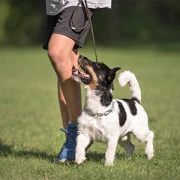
60,44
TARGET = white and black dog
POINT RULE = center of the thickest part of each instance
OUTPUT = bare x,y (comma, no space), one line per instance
106,119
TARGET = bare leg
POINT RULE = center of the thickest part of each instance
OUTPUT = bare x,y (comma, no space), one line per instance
63,58
63,107
62,102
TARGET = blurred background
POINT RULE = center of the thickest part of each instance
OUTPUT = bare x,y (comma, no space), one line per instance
22,22
142,36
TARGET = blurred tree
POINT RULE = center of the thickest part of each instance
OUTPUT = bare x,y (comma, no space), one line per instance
25,22
137,20
4,9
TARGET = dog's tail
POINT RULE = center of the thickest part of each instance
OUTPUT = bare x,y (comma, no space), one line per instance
128,77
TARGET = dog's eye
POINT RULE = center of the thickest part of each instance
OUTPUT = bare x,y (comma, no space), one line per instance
103,83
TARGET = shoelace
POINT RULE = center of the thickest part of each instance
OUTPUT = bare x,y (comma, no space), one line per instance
64,130
69,134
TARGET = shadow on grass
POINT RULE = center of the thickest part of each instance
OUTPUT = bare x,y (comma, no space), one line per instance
95,156
8,150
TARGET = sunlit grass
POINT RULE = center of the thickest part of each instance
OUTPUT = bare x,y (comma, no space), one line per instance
29,116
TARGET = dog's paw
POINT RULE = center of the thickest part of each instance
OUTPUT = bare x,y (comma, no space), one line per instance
150,155
109,163
80,160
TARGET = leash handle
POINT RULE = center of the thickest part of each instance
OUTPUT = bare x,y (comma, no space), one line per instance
84,2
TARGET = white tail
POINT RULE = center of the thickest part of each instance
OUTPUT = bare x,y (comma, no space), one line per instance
128,77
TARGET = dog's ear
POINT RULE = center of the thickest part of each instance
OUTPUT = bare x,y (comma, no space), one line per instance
114,70
112,74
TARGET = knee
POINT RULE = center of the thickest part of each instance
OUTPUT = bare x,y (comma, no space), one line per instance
59,58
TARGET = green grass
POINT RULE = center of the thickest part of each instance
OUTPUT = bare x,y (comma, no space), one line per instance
30,120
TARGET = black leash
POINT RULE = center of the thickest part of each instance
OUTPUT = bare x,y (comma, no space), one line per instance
84,3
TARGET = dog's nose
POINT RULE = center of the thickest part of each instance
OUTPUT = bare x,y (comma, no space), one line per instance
81,57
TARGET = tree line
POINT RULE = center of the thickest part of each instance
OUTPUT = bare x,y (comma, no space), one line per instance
129,20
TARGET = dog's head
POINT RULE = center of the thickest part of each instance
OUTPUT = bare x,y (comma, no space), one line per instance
97,76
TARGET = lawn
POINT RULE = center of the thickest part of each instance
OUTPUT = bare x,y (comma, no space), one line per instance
30,120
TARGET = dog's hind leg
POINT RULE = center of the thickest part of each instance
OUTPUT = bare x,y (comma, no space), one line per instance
126,143
146,136
149,145
81,143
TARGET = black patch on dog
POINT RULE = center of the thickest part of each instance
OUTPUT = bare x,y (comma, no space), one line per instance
122,114
106,98
105,77
132,106
135,99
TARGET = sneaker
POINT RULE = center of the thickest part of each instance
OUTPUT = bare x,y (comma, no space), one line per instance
67,152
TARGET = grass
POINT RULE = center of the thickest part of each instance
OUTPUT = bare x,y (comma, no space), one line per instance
29,116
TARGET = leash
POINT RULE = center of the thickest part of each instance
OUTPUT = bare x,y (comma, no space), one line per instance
84,3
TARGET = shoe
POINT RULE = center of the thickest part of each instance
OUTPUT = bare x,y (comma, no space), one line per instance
67,152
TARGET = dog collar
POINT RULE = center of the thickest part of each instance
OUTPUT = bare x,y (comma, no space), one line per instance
90,113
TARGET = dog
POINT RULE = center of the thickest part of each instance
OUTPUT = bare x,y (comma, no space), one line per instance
106,119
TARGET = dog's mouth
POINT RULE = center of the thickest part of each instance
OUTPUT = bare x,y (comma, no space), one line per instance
82,74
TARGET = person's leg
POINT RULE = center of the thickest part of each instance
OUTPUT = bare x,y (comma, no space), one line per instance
63,106
61,55
63,58
59,40
76,88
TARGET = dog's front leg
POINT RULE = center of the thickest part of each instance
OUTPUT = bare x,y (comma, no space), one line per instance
110,152
81,144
